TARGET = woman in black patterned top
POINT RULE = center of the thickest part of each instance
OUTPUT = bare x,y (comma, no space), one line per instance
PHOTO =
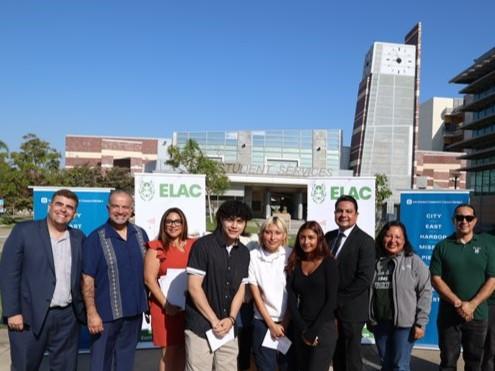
312,299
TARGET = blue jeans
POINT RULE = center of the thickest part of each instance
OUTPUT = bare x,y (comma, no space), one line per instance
266,359
394,346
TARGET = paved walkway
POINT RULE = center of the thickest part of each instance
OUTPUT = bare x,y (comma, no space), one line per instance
4,350
423,360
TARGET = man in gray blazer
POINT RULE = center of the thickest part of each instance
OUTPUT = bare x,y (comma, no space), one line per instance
354,250
40,273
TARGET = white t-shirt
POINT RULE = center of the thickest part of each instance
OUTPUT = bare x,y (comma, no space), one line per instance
266,270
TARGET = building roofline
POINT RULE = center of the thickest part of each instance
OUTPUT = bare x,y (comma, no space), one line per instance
473,141
442,153
480,83
479,63
478,154
255,130
116,137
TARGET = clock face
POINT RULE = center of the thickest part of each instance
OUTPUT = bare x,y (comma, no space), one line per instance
398,59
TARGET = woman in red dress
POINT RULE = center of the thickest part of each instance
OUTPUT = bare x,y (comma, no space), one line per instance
170,250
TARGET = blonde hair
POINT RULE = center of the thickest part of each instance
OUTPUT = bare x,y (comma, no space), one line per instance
279,223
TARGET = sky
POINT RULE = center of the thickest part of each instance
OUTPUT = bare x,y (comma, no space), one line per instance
148,68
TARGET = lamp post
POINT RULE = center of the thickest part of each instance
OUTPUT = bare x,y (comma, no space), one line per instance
455,176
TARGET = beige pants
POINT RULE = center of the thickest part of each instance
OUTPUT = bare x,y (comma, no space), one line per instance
199,357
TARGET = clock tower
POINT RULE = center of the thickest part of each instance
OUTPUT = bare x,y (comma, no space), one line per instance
384,123
398,59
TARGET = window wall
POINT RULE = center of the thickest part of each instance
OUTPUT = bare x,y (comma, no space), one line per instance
273,147
482,182
217,144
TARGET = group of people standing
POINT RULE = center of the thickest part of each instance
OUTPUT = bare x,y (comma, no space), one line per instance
318,295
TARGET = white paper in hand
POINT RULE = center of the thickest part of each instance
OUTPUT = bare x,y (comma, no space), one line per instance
173,286
282,344
216,342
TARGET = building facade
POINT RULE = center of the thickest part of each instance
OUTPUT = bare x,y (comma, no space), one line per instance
435,167
384,136
268,168
107,152
440,122
439,170
479,133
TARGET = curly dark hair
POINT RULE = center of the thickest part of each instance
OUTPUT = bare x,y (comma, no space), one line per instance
297,255
408,249
232,209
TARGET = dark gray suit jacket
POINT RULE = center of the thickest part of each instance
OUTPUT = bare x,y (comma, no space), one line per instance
27,273
356,262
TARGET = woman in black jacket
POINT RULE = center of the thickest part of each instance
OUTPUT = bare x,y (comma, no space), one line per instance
312,298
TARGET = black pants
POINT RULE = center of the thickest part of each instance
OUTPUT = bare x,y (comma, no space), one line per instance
452,333
488,363
318,358
348,352
59,337
244,336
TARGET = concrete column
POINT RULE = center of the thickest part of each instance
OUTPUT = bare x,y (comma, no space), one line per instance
248,196
268,209
300,206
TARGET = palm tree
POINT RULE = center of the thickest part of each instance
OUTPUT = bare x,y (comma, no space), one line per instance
3,147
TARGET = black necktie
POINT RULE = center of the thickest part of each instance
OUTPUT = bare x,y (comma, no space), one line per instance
337,243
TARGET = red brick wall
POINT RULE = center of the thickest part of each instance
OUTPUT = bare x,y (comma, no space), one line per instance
432,166
82,144
98,144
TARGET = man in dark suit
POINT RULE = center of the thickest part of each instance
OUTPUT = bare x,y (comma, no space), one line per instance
40,273
355,254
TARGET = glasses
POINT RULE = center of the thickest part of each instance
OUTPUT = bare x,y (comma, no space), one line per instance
468,218
174,222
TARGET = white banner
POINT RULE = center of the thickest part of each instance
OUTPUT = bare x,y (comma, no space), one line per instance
323,192
155,193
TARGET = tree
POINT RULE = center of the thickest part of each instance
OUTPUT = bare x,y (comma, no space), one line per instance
4,156
382,193
81,176
95,176
119,178
36,154
4,149
192,159
37,163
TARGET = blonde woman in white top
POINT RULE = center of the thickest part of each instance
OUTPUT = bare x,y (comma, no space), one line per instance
267,283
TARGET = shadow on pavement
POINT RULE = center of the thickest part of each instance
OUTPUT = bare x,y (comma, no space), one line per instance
372,361
424,360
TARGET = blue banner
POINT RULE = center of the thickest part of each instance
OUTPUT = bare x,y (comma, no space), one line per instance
91,212
428,220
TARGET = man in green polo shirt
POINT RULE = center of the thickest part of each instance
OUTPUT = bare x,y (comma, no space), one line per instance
463,272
